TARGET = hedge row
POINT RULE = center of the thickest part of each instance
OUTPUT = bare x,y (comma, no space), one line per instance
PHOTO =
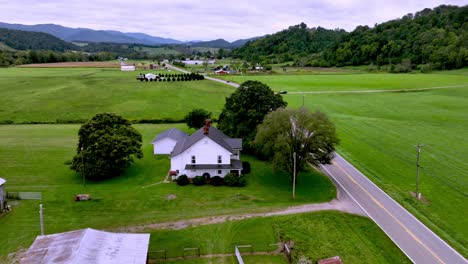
229,180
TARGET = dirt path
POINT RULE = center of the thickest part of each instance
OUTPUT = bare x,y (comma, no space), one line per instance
384,91
343,203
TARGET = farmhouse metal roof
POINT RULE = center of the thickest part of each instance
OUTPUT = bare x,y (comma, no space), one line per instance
214,134
235,165
88,246
173,133
2,181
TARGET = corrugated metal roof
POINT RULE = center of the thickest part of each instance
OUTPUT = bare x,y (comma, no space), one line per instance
173,133
2,181
88,246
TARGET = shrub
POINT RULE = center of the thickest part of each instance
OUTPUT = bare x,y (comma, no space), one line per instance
216,181
245,167
198,180
234,180
182,180
231,179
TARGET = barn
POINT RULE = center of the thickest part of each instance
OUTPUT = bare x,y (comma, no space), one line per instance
88,246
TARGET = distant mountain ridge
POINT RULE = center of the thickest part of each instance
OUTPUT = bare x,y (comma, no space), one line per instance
28,40
222,43
91,35
113,36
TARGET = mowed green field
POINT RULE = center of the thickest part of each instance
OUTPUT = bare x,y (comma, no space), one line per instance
353,82
379,132
32,159
46,94
316,235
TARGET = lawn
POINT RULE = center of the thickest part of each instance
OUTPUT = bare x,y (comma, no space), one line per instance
349,82
378,134
45,95
316,235
32,159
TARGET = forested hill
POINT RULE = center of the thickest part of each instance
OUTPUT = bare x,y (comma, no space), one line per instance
438,36
291,44
27,40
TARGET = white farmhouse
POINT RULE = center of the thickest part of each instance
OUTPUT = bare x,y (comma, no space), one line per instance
165,142
208,152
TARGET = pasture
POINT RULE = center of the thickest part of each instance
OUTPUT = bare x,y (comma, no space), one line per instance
315,235
32,159
351,82
378,134
48,94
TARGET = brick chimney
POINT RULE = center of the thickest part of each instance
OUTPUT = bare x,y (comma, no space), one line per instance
206,128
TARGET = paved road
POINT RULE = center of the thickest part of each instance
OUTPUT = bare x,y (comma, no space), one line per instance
206,77
419,243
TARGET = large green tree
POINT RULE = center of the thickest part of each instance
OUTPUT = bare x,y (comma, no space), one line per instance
311,135
245,109
196,118
107,145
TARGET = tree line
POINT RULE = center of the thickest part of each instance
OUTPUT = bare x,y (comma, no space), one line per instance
437,38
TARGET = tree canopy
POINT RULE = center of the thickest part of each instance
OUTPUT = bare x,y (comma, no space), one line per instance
196,118
245,109
107,145
311,135
435,36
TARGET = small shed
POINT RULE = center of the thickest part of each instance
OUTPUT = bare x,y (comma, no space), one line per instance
165,142
2,194
127,68
88,246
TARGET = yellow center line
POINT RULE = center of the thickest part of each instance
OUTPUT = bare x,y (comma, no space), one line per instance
388,212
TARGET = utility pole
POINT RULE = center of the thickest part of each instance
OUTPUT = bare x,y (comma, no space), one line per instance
82,168
418,152
302,100
294,176
41,219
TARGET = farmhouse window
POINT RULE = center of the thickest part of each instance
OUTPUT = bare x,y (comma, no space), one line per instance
220,159
194,160
219,172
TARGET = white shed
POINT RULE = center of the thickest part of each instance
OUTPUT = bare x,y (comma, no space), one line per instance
88,246
165,142
2,194
127,68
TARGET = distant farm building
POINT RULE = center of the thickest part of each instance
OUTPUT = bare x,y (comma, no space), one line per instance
88,246
2,194
198,62
127,68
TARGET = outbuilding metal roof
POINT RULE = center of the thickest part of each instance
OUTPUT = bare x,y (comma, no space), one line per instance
88,246
173,133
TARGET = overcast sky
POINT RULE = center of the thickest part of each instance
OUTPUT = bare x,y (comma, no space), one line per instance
210,19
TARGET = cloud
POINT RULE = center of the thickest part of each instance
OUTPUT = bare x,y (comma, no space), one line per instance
210,19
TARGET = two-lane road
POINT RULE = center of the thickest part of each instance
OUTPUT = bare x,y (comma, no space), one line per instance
419,243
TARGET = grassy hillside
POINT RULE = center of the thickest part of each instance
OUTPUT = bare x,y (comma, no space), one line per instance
79,93
32,159
378,133
316,235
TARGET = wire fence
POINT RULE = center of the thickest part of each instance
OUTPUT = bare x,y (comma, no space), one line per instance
162,255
